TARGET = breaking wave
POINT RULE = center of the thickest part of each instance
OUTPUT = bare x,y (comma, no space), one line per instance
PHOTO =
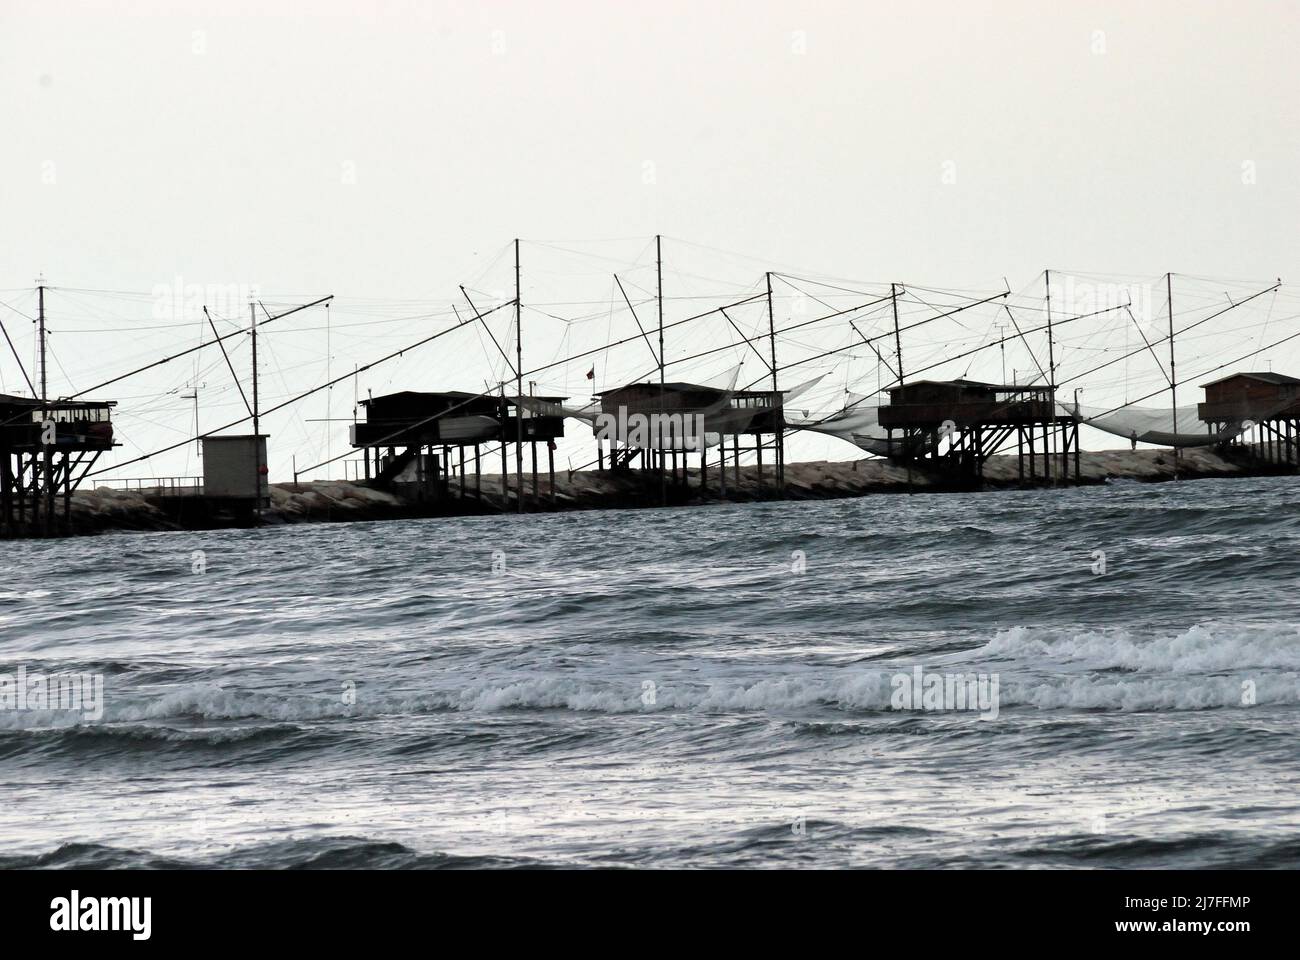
671,687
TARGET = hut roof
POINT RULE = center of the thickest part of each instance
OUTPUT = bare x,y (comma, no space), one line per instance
1276,379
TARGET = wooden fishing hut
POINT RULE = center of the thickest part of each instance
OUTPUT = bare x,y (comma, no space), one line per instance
46,449
661,424
418,442
979,420
1259,409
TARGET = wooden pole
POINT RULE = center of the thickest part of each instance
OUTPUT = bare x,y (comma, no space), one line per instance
1173,375
257,422
778,446
49,449
505,470
659,286
898,350
40,321
1051,374
519,384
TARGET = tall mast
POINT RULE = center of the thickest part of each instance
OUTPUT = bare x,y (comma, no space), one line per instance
519,391
898,348
40,321
1051,347
771,329
659,296
257,422
45,414
252,313
778,452
1051,371
898,342
329,393
1173,375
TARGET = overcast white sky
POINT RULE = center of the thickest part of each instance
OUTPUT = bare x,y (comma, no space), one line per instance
386,152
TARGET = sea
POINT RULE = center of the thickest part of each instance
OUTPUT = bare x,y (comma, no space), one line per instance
1098,677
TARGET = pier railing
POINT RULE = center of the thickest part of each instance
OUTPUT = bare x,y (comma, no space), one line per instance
157,486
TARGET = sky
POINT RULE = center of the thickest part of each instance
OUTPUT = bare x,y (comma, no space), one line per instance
388,152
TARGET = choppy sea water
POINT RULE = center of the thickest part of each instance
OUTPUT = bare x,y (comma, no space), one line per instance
693,687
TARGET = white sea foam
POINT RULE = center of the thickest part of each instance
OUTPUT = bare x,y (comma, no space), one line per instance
1209,665
865,692
1202,648
1081,693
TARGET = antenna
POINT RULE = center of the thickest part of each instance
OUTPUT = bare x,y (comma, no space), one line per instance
1002,345
198,439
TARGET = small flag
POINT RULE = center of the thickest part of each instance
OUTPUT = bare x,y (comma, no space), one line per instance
591,374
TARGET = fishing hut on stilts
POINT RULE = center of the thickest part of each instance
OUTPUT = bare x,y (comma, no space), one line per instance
47,447
954,426
659,426
430,446
1256,412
